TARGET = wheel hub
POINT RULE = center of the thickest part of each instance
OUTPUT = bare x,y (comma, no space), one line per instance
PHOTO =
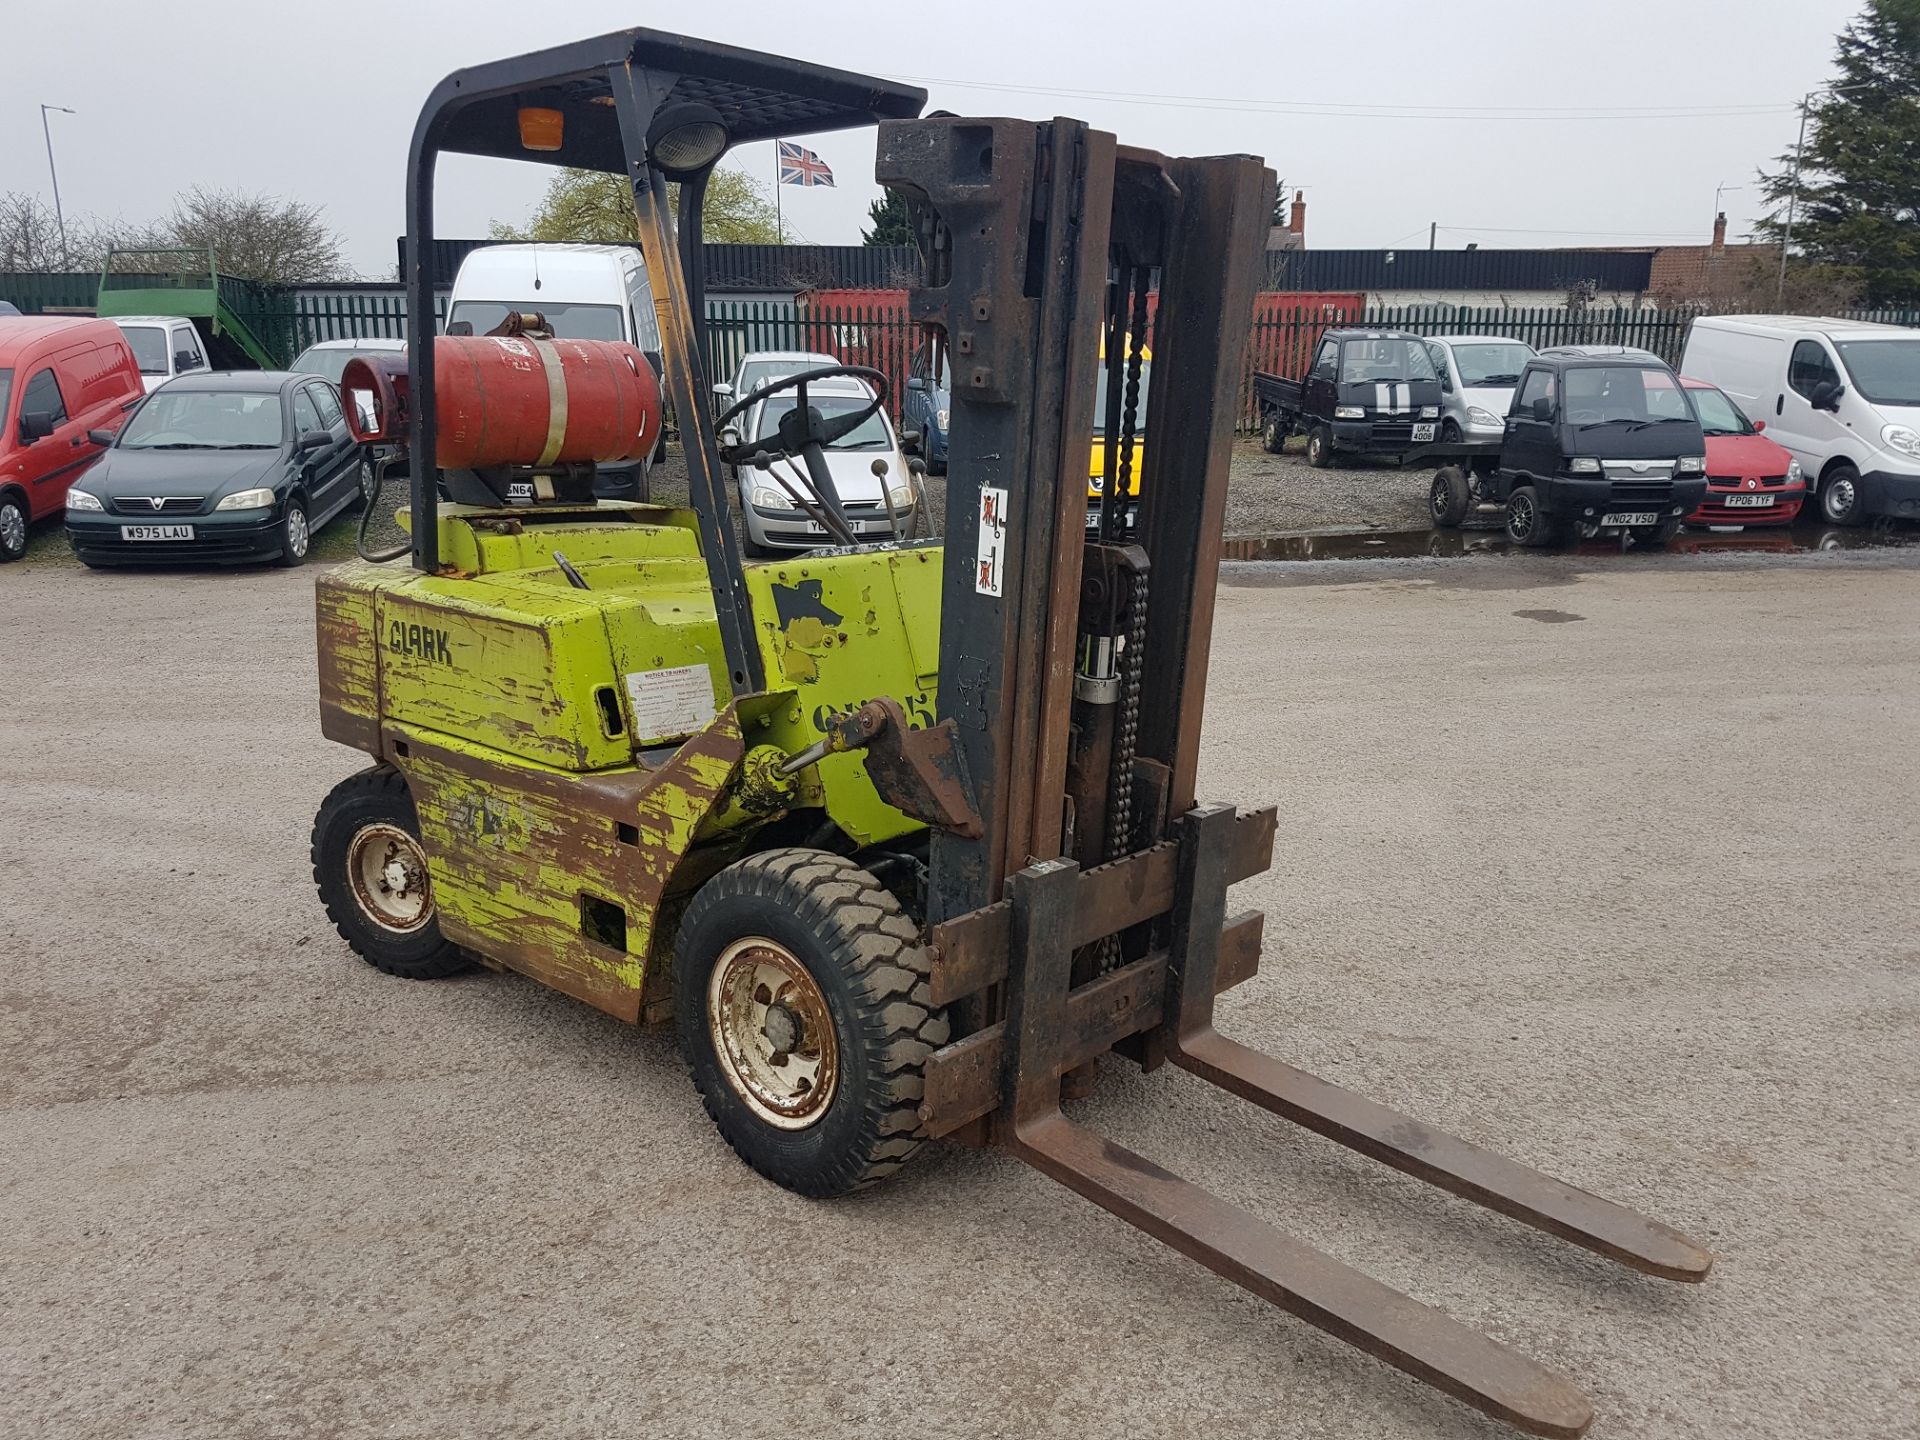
772,1033
388,872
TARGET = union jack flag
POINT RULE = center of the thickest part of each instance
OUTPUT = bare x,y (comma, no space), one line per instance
800,166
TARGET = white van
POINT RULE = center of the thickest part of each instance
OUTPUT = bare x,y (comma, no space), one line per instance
587,292
163,346
1843,396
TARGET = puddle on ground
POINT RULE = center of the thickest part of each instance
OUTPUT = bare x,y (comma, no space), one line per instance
1409,544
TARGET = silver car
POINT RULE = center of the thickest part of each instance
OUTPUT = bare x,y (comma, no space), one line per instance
775,523
757,367
1478,374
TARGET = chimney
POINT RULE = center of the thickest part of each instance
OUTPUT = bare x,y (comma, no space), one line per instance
1297,223
1719,232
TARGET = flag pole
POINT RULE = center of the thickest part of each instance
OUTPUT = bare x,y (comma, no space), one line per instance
779,222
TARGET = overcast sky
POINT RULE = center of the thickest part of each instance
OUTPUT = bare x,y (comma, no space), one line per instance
1510,122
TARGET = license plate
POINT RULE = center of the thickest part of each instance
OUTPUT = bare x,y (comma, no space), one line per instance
156,532
1633,518
1422,434
1749,502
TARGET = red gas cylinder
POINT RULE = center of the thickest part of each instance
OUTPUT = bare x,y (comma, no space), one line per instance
517,400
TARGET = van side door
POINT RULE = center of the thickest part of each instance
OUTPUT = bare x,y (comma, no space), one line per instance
185,354
1318,391
1531,446
1812,436
53,461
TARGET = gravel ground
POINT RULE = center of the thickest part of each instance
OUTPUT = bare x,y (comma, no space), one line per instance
1607,865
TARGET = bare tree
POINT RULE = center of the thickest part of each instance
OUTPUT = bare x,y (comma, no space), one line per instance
259,237
29,233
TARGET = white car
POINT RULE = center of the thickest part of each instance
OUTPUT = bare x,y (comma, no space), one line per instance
163,346
328,359
775,523
757,367
1842,396
1478,374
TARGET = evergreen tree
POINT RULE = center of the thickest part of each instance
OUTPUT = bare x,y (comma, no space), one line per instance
1857,207
888,222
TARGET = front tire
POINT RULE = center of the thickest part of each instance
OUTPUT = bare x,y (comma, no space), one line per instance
372,874
1840,499
1527,524
804,1012
296,533
13,528
1319,448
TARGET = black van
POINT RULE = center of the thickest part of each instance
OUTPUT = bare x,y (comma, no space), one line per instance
1596,443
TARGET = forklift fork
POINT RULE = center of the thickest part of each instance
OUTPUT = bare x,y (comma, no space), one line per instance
1046,1016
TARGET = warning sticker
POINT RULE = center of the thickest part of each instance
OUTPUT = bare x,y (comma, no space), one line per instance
670,704
988,578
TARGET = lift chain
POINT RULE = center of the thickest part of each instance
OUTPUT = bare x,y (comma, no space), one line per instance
1120,825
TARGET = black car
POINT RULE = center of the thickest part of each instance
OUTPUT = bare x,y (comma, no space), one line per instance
1599,441
224,467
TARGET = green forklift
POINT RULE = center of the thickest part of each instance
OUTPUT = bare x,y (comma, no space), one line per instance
896,834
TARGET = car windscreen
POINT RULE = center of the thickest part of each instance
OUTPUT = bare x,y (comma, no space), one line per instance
1622,395
870,434
149,344
330,364
569,322
1491,365
1718,414
1385,362
205,420
755,373
1100,400
1887,372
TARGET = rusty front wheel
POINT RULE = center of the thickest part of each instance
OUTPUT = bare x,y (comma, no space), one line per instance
373,877
804,1013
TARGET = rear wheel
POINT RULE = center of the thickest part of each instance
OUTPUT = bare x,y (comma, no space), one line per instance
1273,434
1449,496
1527,523
371,870
13,527
1319,447
802,1003
1840,498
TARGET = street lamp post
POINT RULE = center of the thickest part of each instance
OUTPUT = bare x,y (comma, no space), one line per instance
58,214
1793,195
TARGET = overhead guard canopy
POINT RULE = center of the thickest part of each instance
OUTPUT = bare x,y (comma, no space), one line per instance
757,97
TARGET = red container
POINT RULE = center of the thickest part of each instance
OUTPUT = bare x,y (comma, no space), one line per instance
515,400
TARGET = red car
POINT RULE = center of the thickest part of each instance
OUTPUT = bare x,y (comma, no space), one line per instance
60,381
1750,480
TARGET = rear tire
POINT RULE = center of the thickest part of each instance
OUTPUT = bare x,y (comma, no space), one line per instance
372,876
1449,497
1840,500
804,1012
1319,448
13,527
1526,523
1273,434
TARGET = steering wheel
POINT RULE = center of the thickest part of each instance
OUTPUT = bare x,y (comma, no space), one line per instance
802,427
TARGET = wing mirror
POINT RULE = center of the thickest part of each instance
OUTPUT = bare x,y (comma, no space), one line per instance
102,437
1759,426
185,360
723,389
912,440
914,382
1542,409
311,441
1826,395
36,425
